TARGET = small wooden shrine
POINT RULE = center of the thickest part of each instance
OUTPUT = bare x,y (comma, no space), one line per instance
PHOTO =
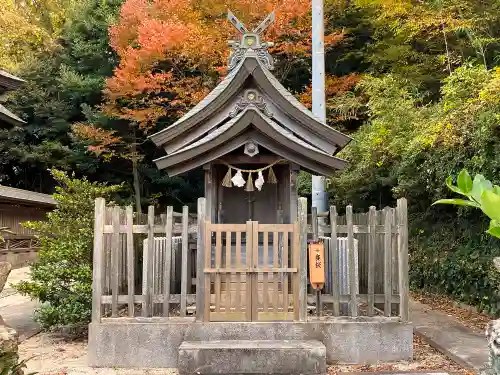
251,136
250,303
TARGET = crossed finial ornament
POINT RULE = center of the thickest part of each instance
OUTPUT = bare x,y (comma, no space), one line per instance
250,40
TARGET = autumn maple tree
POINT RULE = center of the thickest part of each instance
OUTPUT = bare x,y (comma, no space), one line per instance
173,52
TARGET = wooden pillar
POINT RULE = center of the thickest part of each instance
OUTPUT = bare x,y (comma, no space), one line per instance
302,219
210,192
98,259
200,260
294,198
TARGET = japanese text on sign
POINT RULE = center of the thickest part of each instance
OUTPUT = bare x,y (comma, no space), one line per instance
316,265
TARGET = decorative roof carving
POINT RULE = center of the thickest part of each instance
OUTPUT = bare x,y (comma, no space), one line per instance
250,41
251,97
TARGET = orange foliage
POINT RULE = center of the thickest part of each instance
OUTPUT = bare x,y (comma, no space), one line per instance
173,51
104,140
333,86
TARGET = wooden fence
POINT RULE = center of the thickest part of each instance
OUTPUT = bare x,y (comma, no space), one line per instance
120,287
134,269
382,259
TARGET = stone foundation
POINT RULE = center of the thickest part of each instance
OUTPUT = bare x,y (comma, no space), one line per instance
155,344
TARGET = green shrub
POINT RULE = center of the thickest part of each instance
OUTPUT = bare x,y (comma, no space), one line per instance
62,277
454,256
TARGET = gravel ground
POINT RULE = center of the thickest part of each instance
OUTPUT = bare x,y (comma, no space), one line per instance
425,358
53,355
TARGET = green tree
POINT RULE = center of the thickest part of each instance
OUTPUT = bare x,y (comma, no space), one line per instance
62,277
62,84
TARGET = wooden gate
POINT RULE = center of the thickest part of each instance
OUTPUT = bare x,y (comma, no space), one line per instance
251,272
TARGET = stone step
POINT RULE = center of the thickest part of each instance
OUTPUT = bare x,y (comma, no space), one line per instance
255,357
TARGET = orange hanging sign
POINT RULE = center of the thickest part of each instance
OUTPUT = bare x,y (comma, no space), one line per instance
317,265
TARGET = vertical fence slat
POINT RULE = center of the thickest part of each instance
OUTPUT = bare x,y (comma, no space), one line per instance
100,206
334,261
237,303
303,258
130,260
167,259
352,263
115,253
218,253
200,290
296,276
285,274
275,275
228,276
255,263
148,310
394,247
265,294
185,260
328,282
106,275
207,276
248,278
314,223
403,259
372,238
387,261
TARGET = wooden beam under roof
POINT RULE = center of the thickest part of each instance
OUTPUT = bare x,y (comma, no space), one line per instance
248,119
312,162
245,159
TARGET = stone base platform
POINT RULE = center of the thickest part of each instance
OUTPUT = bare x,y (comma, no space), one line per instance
155,342
253,357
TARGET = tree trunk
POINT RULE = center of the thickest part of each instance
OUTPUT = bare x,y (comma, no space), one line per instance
447,50
137,188
135,173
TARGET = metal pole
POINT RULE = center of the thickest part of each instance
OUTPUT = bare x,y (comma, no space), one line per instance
319,195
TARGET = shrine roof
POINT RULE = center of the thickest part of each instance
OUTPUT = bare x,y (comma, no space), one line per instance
230,86
250,105
250,124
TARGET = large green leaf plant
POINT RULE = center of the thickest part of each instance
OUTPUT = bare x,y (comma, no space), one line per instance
480,193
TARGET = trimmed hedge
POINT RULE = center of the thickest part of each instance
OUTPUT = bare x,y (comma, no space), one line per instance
454,256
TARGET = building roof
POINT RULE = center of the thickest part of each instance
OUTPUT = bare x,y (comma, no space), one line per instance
250,124
9,82
8,117
231,85
19,196
250,104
